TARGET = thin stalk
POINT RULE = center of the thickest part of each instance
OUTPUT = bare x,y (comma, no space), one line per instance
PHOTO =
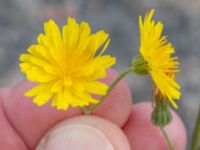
92,107
196,134
167,138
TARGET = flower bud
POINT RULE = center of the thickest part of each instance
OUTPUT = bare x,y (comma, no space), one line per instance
161,115
139,65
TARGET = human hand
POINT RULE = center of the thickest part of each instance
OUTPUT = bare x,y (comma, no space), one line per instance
23,124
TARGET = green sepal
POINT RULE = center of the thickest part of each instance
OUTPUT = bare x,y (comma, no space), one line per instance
161,115
139,65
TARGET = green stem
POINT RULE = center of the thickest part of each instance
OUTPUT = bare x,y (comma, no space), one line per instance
167,138
92,107
114,83
196,133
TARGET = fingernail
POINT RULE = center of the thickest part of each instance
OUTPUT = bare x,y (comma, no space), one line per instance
75,137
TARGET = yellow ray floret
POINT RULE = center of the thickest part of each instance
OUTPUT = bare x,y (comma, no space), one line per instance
67,64
157,51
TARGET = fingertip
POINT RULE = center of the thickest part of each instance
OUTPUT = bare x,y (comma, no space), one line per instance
117,106
9,139
139,130
85,133
30,120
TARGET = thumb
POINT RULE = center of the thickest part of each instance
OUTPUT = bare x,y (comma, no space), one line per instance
84,133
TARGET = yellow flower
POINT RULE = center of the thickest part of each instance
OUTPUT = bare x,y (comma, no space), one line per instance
157,51
67,65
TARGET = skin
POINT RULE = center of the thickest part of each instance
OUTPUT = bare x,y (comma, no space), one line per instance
139,129
25,126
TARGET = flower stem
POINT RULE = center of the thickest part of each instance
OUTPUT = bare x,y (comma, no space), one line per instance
196,134
91,108
167,138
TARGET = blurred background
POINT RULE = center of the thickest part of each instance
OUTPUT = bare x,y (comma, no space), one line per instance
22,20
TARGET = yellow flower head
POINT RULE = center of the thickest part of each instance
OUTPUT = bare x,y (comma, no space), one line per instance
157,51
67,65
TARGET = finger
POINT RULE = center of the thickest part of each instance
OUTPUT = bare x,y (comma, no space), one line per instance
140,130
85,133
9,139
117,106
32,121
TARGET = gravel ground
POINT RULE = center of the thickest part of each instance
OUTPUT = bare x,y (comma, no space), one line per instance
21,21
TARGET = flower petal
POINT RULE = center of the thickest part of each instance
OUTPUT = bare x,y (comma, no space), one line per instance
96,87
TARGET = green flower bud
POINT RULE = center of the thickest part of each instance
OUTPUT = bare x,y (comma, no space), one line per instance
139,65
161,115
